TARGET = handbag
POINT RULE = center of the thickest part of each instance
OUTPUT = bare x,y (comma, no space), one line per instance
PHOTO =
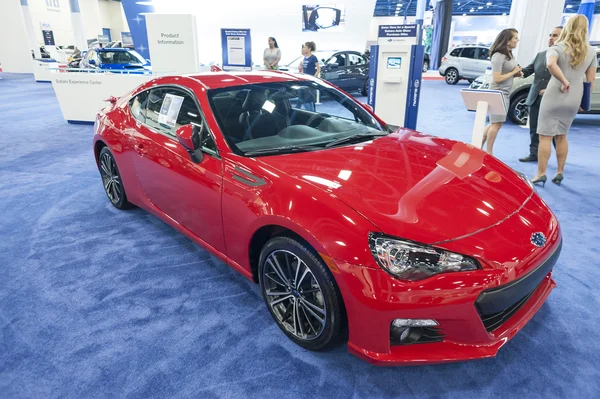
586,99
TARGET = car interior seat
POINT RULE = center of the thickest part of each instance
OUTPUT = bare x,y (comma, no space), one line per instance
258,122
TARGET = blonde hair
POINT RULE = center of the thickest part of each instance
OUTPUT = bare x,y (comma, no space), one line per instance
574,36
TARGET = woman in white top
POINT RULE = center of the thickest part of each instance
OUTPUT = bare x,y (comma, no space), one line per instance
272,54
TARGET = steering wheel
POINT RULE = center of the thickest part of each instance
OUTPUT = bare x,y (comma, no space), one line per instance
314,118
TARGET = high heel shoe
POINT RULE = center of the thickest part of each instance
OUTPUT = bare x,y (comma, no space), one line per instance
558,179
542,179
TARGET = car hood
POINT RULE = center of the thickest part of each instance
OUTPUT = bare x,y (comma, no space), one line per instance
414,186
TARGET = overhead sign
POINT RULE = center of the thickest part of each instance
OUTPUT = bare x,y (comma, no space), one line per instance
236,49
397,34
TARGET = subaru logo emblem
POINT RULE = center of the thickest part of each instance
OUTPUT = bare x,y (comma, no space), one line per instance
538,239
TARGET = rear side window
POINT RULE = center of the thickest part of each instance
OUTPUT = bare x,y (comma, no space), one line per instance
455,52
138,106
470,52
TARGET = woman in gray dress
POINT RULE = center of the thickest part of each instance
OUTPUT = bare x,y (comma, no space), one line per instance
571,62
504,69
272,54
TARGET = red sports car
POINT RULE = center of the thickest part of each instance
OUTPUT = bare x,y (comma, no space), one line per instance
415,249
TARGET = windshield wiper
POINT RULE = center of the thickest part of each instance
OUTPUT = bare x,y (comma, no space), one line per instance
282,150
354,137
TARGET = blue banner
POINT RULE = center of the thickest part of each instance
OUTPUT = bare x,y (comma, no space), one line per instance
237,49
135,13
587,8
414,87
373,65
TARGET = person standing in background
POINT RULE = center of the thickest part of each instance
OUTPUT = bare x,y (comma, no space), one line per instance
310,66
310,63
534,99
572,61
504,69
272,54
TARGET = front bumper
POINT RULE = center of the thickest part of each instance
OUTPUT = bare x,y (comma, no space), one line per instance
478,311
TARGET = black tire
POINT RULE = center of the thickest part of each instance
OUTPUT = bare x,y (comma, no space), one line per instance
314,294
111,180
518,112
365,89
425,66
470,80
452,76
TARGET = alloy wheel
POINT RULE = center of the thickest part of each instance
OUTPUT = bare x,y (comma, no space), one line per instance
110,178
522,112
294,295
452,76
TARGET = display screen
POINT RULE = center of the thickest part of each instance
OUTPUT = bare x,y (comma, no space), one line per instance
394,62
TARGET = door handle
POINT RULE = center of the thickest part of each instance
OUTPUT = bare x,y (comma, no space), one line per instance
139,148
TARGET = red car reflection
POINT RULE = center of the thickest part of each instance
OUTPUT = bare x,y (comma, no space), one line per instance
422,249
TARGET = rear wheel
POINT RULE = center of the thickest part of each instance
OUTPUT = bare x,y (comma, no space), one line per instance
300,293
111,180
518,111
365,89
452,77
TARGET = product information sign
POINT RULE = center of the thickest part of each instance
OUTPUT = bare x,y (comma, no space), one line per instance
170,110
236,48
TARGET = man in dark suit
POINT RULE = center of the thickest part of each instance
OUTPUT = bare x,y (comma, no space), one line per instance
534,99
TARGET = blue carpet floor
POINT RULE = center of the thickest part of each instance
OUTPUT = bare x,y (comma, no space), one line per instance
98,303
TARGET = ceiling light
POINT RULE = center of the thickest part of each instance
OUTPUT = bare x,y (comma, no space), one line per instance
504,14
489,3
464,15
480,7
472,10
569,6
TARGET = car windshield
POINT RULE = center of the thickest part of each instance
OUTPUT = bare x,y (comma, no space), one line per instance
281,117
120,57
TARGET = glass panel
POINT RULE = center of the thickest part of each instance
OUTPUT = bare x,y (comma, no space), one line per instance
280,116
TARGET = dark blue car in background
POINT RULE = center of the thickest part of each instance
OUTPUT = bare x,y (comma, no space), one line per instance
115,59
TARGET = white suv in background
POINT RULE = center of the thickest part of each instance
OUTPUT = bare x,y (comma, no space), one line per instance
465,62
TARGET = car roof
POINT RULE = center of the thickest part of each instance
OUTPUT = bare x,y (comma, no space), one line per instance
218,80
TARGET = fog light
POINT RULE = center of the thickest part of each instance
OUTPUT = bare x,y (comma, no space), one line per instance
414,323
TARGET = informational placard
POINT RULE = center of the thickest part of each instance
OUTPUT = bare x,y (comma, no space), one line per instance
169,110
103,39
406,34
173,42
237,49
126,39
47,34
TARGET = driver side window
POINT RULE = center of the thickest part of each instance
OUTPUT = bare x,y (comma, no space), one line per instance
169,108
339,59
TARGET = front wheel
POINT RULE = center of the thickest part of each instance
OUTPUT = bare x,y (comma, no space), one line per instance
518,111
452,77
300,293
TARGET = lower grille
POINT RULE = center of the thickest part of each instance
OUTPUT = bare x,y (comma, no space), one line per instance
493,321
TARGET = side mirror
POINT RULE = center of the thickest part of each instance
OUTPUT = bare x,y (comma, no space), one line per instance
92,62
190,137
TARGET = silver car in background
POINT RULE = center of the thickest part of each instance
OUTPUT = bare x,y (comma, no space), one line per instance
518,112
465,62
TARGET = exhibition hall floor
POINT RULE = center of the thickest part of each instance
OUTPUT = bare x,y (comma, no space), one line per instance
96,302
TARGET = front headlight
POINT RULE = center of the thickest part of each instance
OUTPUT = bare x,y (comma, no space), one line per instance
411,261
